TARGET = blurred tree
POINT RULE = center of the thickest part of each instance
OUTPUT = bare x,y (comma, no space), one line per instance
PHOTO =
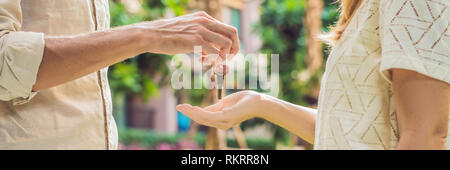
136,75
313,23
215,138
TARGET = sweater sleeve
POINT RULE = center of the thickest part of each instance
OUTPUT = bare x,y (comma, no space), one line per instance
20,55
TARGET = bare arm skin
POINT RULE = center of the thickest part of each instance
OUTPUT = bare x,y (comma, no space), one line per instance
422,110
297,119
245,105
69,58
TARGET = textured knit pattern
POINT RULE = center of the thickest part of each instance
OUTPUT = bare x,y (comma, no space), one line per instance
356,109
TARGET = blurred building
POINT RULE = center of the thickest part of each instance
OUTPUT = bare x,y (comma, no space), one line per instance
159,113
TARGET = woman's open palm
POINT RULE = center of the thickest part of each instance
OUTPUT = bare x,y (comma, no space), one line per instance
229,111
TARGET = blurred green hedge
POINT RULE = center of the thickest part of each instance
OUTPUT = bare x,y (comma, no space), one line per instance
150,140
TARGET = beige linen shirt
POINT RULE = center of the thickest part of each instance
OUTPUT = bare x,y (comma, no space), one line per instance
356,106
74,115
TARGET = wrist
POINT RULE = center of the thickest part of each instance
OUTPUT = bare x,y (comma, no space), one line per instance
265,104
145,38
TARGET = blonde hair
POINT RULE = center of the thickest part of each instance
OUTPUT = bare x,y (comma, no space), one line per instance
348,9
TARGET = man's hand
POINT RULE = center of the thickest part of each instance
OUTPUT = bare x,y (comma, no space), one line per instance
68,58
179,35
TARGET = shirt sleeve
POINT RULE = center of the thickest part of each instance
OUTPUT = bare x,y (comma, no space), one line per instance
20,55
415,35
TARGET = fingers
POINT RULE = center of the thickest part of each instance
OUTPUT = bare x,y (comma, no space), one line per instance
221,28
230,32
208,48
213,119
226,103
233,97
215,107
196,113
224,44
231,110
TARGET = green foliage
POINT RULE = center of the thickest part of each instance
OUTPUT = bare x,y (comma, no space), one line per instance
196,96
150,139
131,82
134,76
176,5
253,143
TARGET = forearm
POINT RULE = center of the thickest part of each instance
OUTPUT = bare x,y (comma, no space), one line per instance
297,119
69,58
418,141
422,107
